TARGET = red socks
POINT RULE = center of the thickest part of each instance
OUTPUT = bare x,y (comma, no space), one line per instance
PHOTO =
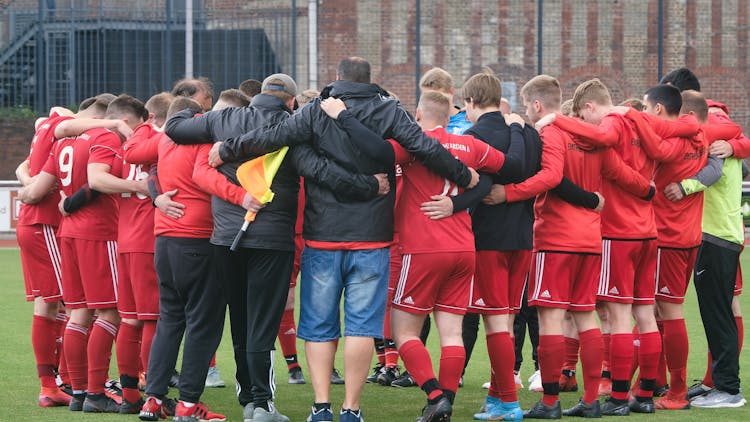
44,342
417,361
452,359
649,352
740,331
551,352
99,352
606,338
571,353
391,353
213,361
147,337
128,348
288,336
620,361
76,339
592,354
676,352
502,359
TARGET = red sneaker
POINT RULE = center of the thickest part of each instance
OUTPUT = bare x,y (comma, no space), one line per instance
197,413
152,410
672,402
51,397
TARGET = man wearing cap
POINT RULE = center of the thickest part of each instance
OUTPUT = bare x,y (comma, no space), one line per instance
346,243
255,277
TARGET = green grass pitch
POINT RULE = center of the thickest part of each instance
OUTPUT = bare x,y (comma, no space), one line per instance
19,384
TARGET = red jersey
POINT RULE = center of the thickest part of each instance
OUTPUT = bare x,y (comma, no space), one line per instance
69,161
45,211
680,158
624,216
559,225
417,232
185,168
136,210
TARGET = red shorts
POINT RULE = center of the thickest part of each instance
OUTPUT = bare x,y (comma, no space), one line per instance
137,287
564,280
89,273
40,260
628,271
395,270
438,281
673,271
498,283
299,244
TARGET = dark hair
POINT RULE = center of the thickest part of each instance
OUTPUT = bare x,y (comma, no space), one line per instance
682,78
354,69
88,102
250,87
97,105
126,104
666,95
190,87
183,103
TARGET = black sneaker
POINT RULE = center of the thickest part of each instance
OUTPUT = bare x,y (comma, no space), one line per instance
405,380
696,390
372,378
336,378
542,411
100,403
614,407
295,376
438,412
128,408
170,406
174,380
584,410
388,375
76,402
661,391
642,405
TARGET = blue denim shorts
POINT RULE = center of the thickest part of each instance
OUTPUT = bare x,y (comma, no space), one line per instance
362,277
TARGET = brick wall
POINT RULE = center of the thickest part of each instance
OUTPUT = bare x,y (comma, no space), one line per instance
15,139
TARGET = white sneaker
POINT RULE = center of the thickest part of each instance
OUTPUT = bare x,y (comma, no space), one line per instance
213,378
715,399
517,379
486,385
535,381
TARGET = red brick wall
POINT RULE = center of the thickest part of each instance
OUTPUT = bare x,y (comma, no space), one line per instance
15,139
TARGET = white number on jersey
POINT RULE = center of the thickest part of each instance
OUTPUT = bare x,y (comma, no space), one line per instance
66,165
449,189
136,173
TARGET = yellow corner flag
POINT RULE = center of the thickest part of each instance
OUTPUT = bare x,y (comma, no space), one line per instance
256,177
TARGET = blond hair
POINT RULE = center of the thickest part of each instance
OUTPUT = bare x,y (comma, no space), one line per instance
434,106
437,79
591,91
566,108
694,101
545,89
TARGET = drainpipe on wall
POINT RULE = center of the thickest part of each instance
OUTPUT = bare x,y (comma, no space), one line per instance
312,43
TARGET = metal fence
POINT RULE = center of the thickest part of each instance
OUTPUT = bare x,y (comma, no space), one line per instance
60,56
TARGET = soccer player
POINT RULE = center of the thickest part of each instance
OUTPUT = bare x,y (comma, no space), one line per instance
91,158
677,237
189,302
347,243
200,90
439,80
425,246
40,258
256,275
629,238
250,87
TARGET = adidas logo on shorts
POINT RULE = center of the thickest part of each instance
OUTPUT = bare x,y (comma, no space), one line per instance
290,331
665,290
614,291
409,300
545,294
479,302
